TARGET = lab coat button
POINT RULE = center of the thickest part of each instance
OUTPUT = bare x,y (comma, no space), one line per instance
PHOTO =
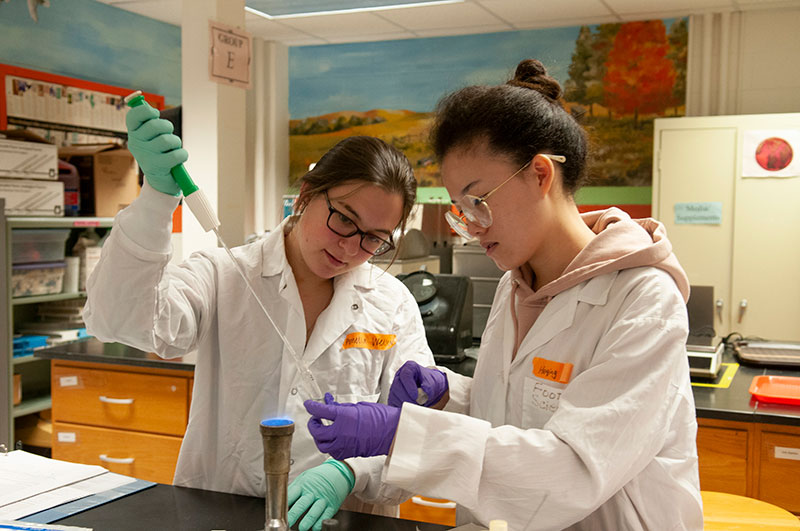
291,461
294,390
354,307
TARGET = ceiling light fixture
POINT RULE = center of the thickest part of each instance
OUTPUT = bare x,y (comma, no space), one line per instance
348,11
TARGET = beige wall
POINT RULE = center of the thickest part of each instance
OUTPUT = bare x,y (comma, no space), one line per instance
744,63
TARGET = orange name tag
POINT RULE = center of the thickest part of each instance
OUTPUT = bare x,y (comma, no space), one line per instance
371,341
552,370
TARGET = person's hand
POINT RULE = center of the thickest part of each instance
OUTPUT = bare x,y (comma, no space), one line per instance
358,430
412,376
320,491
154,147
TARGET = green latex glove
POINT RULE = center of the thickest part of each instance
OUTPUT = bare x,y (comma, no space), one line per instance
154,147
320,491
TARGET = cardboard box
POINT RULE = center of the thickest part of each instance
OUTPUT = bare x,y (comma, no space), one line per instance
17,389
32,198
24,155
109,177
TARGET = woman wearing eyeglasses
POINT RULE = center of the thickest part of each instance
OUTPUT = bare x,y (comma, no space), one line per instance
580,412
353,324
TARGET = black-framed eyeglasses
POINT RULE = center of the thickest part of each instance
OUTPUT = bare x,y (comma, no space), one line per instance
345,227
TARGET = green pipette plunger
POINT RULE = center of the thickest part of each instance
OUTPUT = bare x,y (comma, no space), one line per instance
179,173
194,197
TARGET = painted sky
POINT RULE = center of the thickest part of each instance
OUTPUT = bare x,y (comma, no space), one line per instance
95,42
412,74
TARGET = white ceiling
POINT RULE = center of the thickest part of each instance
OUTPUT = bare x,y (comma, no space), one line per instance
470,16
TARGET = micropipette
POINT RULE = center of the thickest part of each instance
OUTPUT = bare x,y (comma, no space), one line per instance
201,207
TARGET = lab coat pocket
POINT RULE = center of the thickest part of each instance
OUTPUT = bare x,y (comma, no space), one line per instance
540,400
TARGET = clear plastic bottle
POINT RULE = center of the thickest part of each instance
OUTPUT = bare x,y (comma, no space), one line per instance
330,524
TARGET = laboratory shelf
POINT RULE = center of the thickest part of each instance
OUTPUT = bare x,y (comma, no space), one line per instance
32,405
22,360
57,222
47,298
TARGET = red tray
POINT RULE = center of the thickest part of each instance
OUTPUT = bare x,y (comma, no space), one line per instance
777,389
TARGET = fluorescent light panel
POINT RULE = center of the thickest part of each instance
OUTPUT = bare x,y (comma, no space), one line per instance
277,9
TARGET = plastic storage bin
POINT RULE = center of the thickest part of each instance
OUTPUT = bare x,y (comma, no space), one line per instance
37,279
38,245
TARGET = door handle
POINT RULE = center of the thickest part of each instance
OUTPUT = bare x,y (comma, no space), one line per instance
719,304
742,308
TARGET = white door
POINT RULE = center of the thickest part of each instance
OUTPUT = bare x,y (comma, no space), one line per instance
697,165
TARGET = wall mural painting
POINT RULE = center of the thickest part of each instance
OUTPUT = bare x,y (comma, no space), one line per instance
617,79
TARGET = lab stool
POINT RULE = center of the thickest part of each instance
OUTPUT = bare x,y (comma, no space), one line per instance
722,511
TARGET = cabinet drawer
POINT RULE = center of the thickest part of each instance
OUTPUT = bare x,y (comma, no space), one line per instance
116,399
779,468
144,456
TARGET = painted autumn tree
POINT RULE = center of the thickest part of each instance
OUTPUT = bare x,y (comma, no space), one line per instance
678,52
587,69
639,75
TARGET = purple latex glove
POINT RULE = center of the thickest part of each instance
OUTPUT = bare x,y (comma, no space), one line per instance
358,430
412,376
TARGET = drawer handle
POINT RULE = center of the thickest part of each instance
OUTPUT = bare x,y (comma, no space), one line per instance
117,460
438,505
126,401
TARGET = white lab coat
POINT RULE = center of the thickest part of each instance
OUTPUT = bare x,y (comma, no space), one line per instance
244,373
613,449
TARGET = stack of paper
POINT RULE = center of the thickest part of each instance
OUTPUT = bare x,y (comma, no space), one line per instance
30,483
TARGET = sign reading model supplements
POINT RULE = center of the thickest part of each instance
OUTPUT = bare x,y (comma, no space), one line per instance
229,55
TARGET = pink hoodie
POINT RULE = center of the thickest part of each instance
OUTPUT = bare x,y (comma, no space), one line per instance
621,243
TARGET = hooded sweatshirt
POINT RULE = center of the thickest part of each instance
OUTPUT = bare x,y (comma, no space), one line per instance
621,243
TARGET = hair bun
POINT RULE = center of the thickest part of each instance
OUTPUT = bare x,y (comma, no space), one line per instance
532,74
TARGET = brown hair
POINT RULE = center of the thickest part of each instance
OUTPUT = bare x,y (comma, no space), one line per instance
363,159
520,118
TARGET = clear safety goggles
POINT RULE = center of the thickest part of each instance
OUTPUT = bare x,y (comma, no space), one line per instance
476,210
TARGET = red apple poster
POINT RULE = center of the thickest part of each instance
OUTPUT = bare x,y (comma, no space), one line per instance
771,153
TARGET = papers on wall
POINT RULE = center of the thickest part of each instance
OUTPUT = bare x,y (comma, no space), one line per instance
771,153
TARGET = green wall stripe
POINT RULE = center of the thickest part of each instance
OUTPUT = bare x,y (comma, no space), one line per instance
593,195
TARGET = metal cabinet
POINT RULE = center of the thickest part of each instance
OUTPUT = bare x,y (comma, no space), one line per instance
34,373
470,260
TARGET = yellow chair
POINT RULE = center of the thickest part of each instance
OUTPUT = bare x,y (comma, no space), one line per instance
729,512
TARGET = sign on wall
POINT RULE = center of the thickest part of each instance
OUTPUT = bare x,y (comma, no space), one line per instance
229,55
771,153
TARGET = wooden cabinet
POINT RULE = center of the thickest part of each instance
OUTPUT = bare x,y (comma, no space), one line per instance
127,419
723,449
777,466
750,459
745,254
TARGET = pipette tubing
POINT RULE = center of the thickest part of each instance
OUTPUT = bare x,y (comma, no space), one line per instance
308,378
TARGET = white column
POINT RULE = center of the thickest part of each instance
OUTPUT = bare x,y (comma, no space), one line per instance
213,127
268,131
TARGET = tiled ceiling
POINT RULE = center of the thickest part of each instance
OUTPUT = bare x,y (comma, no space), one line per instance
469,16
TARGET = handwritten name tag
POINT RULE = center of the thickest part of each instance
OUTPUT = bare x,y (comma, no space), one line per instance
370,341
552,370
